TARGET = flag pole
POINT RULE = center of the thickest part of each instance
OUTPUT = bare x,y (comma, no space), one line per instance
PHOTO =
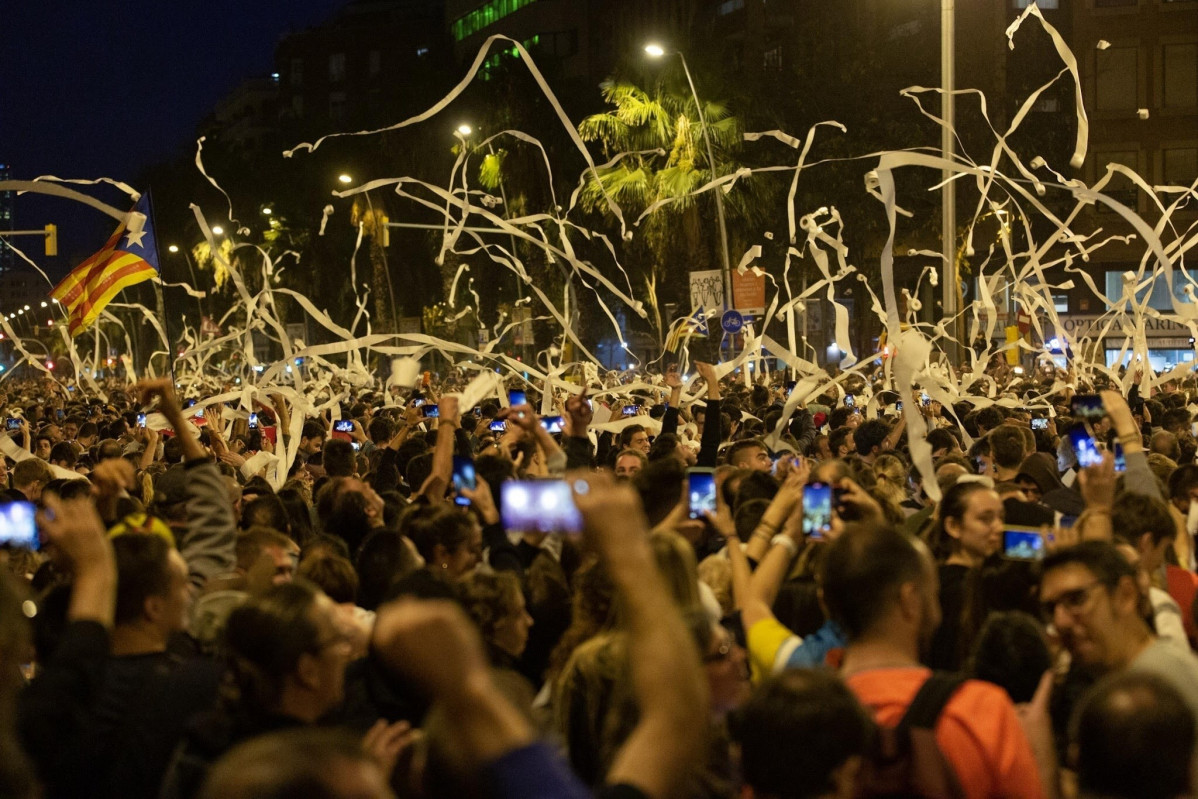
160,295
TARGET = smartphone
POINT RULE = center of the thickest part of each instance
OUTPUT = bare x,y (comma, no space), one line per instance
631,410
925,399
817,510
199,414
552,424
898,406
498,426
1022,544
343,426
544,506
1120,461
141,420
1088,407
1084,446
463,477
431,411
253,421
700,487
355,445
417,402
189,403
18,525
516,398
850,401
13,423
60,413
1040,423
790,385
478,410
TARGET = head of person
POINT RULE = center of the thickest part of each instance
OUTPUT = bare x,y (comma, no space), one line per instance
879,582
969,523
30,476
385,557
153,591
287,653
802,705
313,763
332,574
635,436
869,437
1147,525
1183,488
1090,594
842,442
1007,447
988,418
265,510
724,661
629,462
63,454
311,437
265,557
495,602
349,508
449,540
339,459
750,454
943,442
1133,735
1011,651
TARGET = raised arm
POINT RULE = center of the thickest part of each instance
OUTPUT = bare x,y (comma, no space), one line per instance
667,678
448,422
709,445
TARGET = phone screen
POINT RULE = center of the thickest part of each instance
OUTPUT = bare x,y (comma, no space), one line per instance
18,526
1040,423
817,510
544,506
253,421
1120,461
1088,406
631,410
343,426
1022,544
463,477
552,424
516,398
925,399
1084,446
431,411
13,423
200,414
141,420
498,426
700,487
849,401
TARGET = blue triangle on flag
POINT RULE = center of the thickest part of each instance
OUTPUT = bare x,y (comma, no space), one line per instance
700,320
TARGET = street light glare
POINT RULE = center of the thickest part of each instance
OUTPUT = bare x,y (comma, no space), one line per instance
345,178
267,211
655,50
217,229
173,248
465,130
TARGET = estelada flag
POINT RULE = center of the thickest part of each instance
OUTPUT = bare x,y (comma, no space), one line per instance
129,256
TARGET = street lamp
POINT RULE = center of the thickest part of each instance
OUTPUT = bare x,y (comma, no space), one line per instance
465,129
218,230
344,178
173,248
654,50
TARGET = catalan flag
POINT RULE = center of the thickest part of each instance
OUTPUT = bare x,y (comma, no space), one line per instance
129,256
686,327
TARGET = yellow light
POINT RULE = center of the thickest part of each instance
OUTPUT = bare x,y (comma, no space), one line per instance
217,229
345,178
654,50
173,248
267,211
465,129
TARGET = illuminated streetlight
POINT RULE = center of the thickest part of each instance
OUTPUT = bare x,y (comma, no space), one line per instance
173,248
267,210
44,303
217,229
345,178
26,307
465,129
655,50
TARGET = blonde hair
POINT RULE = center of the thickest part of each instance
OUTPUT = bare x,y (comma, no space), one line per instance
891,477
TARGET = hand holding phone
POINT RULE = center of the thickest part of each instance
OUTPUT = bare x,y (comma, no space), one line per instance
545,506
1022,544
700,488
463,477
516,398
18,525
817,510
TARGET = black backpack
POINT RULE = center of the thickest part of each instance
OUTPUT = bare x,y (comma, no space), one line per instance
906,762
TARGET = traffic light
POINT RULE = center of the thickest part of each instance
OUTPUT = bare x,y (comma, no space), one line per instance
51,240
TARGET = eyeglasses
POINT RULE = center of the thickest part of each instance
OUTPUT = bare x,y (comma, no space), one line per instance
722,653
1072,601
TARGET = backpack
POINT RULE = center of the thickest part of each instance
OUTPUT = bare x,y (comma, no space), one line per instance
905,761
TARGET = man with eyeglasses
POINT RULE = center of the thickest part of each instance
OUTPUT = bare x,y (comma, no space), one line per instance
1090,595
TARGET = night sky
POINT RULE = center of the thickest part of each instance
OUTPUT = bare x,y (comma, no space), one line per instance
103,89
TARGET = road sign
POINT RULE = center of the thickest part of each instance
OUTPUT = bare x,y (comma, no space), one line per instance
732,321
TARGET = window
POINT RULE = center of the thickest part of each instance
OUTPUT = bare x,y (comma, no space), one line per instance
1179,167
773,59
1048,103
1115,3
421,52
1160,289
336,105
336,67
1116,79
297,72
1060,303
729,6
1120,189
376,62
485,16
1045,5
1180,62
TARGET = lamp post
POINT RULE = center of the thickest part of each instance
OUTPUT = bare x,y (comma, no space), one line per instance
948,219
657,51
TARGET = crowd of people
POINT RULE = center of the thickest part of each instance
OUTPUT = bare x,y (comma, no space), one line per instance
376,619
